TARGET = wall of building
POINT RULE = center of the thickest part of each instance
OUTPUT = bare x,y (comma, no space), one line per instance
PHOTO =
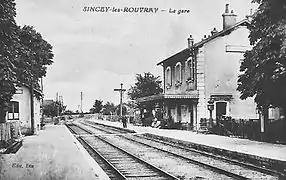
185,87
186,107
25,110
222,57
202,111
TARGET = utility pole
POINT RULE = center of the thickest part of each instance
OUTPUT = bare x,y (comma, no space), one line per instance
81,113
32,107
57,101
42,99
32,101
61,104
121,90
81,102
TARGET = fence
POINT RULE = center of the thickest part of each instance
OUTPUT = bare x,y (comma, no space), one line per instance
249,129
9,130
114,118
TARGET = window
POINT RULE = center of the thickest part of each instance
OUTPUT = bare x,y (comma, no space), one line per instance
191,66
13,110
178,73
168,77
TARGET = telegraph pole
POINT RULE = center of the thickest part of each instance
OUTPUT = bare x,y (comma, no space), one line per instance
32,107
81,113
61,104
121,90
57,101
42,99
81,102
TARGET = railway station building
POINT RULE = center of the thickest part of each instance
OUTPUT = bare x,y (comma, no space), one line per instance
19,114
205,75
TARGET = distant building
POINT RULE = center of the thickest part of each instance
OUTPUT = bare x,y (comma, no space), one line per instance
20,109
206,72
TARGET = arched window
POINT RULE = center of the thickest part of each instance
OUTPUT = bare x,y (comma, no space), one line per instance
13,110
178,73
191,69
168,77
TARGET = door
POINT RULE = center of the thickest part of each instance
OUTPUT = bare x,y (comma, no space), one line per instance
191,111
220,109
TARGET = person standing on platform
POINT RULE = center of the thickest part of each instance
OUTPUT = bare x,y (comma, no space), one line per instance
124,121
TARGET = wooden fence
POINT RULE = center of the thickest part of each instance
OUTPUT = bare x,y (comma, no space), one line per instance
114,118
9,130
250,129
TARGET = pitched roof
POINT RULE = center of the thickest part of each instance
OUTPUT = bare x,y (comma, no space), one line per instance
186,51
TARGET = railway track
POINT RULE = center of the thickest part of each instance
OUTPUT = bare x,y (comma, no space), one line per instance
213,162
186,149
106,129
122,164
119,154
77,130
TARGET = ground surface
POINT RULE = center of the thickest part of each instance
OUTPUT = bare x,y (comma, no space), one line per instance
261,149
50,155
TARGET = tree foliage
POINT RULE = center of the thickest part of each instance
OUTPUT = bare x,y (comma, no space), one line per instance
97,106
24,55
264,67
8,51
53,109
124,109
36,54
130,106
109,108
146,85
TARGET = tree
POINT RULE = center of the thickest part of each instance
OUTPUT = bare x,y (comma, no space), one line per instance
124,110
53,109
50,110
97,106
146,85
109,108
24,55
8,53
36,54
130,106
264,67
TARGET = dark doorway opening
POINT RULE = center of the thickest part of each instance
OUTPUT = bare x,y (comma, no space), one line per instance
220,109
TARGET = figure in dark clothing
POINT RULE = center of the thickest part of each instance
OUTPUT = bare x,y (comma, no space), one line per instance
124,121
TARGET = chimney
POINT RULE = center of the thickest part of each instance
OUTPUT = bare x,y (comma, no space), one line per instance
190,41
214,31
228,19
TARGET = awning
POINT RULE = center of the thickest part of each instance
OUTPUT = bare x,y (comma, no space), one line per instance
190,95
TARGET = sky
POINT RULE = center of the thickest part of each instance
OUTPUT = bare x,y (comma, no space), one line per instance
96,51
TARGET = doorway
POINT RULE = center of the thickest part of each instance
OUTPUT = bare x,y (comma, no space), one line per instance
220,109
191,110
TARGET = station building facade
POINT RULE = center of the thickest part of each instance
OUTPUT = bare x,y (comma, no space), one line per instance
207,72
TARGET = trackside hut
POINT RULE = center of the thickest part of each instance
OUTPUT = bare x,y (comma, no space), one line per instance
208,70
19,110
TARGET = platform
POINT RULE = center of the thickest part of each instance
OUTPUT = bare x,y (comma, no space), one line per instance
53,154
260,151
